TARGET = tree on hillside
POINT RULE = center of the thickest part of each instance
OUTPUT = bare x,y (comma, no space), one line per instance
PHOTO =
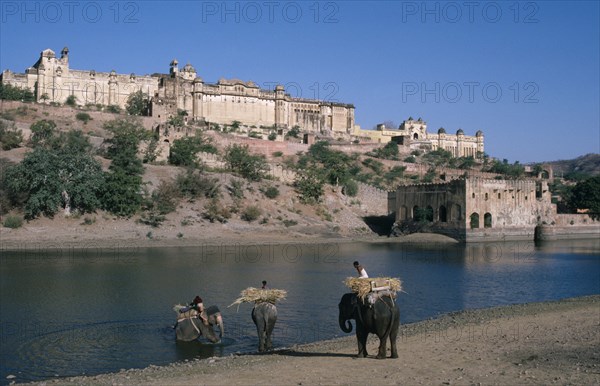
465,162
8,198
250,166
74,141
439,157
309,185
13,93
123,187
389,151
42,132
138,103
49,179
294,132
10,136
335,165
71,100
586,195
184,151
513,171
178,120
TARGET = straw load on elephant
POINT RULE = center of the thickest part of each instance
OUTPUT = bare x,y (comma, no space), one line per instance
257,295
184,312
364,286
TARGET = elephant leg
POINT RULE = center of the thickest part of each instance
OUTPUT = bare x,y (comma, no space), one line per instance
394,335
268,342
361,337
384,329
268,334
382,346
261,338
259,322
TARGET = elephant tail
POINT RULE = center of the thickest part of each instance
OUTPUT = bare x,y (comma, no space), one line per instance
220,324
390,307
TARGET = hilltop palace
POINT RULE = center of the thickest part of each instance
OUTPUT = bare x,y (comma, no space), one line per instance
53,81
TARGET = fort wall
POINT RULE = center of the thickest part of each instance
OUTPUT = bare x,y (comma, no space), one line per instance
53,81
475,209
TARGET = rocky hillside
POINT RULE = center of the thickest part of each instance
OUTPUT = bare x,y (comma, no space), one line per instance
586,164
245,209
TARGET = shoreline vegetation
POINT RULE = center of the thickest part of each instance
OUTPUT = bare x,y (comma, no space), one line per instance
554,342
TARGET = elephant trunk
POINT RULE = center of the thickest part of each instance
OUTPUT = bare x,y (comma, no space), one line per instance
345,324
207,331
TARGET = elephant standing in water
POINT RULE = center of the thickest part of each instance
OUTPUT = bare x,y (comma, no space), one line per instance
264,316
381,318
190,327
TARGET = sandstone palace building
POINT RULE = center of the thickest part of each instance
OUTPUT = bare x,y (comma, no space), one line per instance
52,80
412,133
479,209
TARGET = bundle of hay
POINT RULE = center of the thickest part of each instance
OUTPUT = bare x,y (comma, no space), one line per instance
257,295
362,286
189,313
178,307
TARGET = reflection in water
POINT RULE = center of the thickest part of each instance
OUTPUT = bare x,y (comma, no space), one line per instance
76,312
199,349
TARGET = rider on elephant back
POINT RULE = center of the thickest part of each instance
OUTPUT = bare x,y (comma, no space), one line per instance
198,306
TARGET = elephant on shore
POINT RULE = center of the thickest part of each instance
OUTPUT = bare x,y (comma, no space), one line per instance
382,318
190,326
264,316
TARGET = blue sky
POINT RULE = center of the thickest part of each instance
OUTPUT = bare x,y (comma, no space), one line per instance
525,73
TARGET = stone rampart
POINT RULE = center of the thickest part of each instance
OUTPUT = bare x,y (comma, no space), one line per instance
56,113
372,199
567,220
575,231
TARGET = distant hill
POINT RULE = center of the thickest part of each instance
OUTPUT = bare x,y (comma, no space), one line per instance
588,164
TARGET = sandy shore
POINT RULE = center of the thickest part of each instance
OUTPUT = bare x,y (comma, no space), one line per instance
539,343
47,238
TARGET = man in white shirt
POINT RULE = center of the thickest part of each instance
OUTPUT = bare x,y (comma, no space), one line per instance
361,271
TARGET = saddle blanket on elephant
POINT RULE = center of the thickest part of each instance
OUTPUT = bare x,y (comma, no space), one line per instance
372,297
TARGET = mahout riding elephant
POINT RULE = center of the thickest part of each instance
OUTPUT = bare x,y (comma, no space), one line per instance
381,318
264,316
190,326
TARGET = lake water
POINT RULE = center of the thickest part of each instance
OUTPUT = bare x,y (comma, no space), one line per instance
88,311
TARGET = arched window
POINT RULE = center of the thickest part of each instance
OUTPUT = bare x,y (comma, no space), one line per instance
416,136
443,214
475,221
487,220
486,196
416,212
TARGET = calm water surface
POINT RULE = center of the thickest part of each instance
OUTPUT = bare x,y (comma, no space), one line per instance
90,311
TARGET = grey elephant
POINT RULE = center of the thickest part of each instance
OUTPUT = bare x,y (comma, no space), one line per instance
382,318
190,327
264,316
